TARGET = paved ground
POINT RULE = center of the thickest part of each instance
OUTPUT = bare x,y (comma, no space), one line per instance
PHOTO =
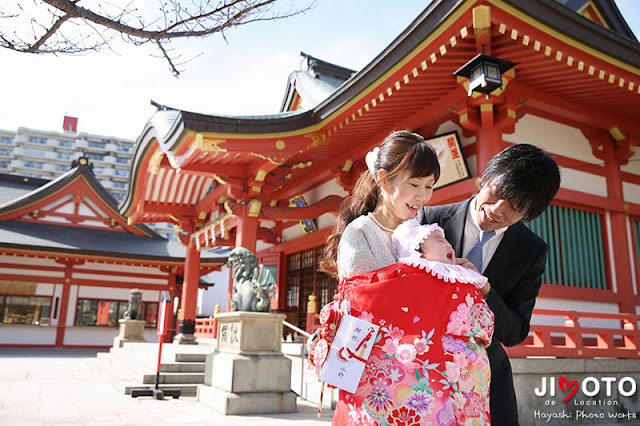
56,386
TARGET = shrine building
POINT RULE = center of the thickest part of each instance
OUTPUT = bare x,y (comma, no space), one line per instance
273,183
69,260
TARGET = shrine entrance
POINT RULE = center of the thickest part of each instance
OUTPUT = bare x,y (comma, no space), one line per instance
304,277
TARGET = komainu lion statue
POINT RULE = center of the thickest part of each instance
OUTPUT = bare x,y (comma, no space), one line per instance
253,284
134,307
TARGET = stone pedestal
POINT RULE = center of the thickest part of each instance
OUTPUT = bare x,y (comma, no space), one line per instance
130,331
186,332
248,374
185,339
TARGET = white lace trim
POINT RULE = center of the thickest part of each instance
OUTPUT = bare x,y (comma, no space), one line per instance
447,272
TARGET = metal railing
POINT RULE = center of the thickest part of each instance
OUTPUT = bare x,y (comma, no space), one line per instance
303,393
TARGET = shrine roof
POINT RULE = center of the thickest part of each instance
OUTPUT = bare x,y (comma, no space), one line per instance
608,10
572,68
30,235
559,17
618,43
168,124
15,186
326,71
314,82
312,90
26,196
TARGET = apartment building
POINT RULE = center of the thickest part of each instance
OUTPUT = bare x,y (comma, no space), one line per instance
48,154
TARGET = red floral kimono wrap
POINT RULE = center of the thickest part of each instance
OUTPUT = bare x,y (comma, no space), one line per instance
428,365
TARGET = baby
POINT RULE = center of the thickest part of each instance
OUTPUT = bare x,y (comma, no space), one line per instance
436,247
425,246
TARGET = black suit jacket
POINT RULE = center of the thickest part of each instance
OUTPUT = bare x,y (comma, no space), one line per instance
515,274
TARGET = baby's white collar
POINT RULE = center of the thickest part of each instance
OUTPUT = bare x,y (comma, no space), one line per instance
450,273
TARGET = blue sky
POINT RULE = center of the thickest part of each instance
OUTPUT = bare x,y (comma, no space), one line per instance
247,74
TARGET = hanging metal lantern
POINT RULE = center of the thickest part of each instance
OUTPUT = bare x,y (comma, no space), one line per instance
484,73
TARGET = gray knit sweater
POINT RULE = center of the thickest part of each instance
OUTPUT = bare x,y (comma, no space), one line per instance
364,248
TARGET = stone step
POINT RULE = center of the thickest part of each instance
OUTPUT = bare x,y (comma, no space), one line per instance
186,357
145,374
174,378
170,352
149,361
123,380
134,366
182,367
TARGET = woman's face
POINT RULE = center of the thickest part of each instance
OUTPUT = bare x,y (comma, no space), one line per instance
404,196
436,247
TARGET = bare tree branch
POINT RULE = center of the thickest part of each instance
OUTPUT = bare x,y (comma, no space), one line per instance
64,26
36,46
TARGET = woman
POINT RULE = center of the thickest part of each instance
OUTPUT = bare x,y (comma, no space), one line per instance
428,363
402,172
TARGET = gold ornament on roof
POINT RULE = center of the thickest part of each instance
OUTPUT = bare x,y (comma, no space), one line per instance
209,144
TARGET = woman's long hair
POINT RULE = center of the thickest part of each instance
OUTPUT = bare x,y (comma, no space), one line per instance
400,152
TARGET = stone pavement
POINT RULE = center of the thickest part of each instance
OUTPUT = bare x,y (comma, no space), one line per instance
56,386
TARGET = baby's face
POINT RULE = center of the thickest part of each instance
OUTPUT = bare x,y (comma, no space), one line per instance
437,248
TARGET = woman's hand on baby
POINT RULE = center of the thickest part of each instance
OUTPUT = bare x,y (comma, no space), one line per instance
466,264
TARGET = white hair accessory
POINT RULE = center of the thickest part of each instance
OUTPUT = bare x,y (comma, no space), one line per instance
409,235
370,159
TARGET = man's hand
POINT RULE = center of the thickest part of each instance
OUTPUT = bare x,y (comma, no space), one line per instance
466,264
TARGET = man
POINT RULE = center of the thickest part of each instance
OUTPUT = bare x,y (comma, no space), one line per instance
517,185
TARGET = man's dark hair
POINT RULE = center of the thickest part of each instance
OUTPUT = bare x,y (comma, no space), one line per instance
524,175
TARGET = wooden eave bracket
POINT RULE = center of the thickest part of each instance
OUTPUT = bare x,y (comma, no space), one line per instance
468,117
344,175
329,204
501,113
237,190
507,115
268,235
280,175
622,146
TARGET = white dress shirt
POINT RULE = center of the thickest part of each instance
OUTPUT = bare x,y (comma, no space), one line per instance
472,232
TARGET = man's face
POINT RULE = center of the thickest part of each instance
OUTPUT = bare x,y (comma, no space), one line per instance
493,212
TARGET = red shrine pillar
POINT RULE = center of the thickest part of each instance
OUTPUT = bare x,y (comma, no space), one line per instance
189,300
247,230
64,303
246,236
621,263
488,137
